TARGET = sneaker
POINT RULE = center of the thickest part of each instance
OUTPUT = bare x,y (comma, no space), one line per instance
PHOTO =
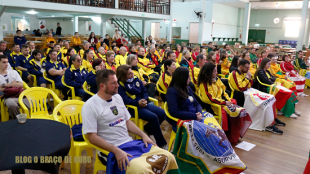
274,129
165,147
279,123
297,113
280,113
293,116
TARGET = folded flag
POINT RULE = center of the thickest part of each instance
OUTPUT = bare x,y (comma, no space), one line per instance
202,147
151,159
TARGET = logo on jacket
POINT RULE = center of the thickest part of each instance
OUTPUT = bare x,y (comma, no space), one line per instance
114,110
138,84
158,162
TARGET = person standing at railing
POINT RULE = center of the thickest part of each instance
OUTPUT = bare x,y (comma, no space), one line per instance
19,38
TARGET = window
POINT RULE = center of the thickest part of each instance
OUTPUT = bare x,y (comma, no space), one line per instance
292,26
20,23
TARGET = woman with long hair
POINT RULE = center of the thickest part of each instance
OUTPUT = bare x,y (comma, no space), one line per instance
246,55
285,97
132,50
133,92
75,76
66,58
235,119
180,57
181,99
288,68
234,63
217,52
166,76
98,64
88,59
132,60
92,40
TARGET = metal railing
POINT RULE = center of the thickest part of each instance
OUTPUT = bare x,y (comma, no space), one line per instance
149,6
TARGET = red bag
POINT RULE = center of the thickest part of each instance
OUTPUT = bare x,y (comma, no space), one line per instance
12,92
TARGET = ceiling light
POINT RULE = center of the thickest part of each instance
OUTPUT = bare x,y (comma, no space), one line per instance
52,16
32,12
257,25
276,20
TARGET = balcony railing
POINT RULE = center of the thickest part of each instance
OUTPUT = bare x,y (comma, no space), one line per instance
149,6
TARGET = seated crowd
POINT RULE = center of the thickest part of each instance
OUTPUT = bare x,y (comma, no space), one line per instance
189,81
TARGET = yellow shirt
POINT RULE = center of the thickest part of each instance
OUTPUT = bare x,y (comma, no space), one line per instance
225,66
163,67
164,81
146,66
140,74
276,71
47,41
81,53
87,65
212,94
99,45
75,41
120,60
102,57
194,76
64,51
252,68
241,84
112,67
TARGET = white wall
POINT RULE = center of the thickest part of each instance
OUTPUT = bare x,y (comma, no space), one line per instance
274,32
6,19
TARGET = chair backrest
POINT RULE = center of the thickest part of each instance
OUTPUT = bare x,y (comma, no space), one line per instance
159,89
69,112
37,97
86,89
49,80
168,114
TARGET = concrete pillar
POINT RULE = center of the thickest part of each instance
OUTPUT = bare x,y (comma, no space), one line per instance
143,32
75,24
201,23
116,3
302,24
307,35
2,9
169,26
103,27
239,22
246,23
205,24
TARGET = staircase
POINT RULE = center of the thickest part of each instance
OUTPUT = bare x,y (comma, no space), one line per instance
126,29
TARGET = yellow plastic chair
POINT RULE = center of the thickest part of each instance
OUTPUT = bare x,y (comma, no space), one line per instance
98,164
85,87
37,97
173,134
69,112
34,80
4,114
73,96
52,84
160,92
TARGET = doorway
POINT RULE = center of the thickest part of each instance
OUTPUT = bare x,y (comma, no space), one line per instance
257,36
155,28
193,32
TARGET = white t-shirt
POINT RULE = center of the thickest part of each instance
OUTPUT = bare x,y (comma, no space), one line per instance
9,67
107,119
11,76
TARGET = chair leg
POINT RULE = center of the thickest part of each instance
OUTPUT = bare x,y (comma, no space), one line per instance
75,166
89,152
172,138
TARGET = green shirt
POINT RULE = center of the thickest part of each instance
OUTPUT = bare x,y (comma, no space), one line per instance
300,64
253,57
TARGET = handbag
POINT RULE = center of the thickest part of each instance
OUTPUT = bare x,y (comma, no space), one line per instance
12,92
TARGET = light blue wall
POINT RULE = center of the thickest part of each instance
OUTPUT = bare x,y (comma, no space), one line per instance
225,17
274,32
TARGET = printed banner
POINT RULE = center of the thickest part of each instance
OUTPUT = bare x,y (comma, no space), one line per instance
42,24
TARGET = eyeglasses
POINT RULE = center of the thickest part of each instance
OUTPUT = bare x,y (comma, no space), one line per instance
79,60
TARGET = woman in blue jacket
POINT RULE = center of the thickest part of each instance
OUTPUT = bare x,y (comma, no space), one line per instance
76,75
98,64
134,93
181,100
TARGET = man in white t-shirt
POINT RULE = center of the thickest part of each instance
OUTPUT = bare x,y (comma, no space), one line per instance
10,79
106,121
